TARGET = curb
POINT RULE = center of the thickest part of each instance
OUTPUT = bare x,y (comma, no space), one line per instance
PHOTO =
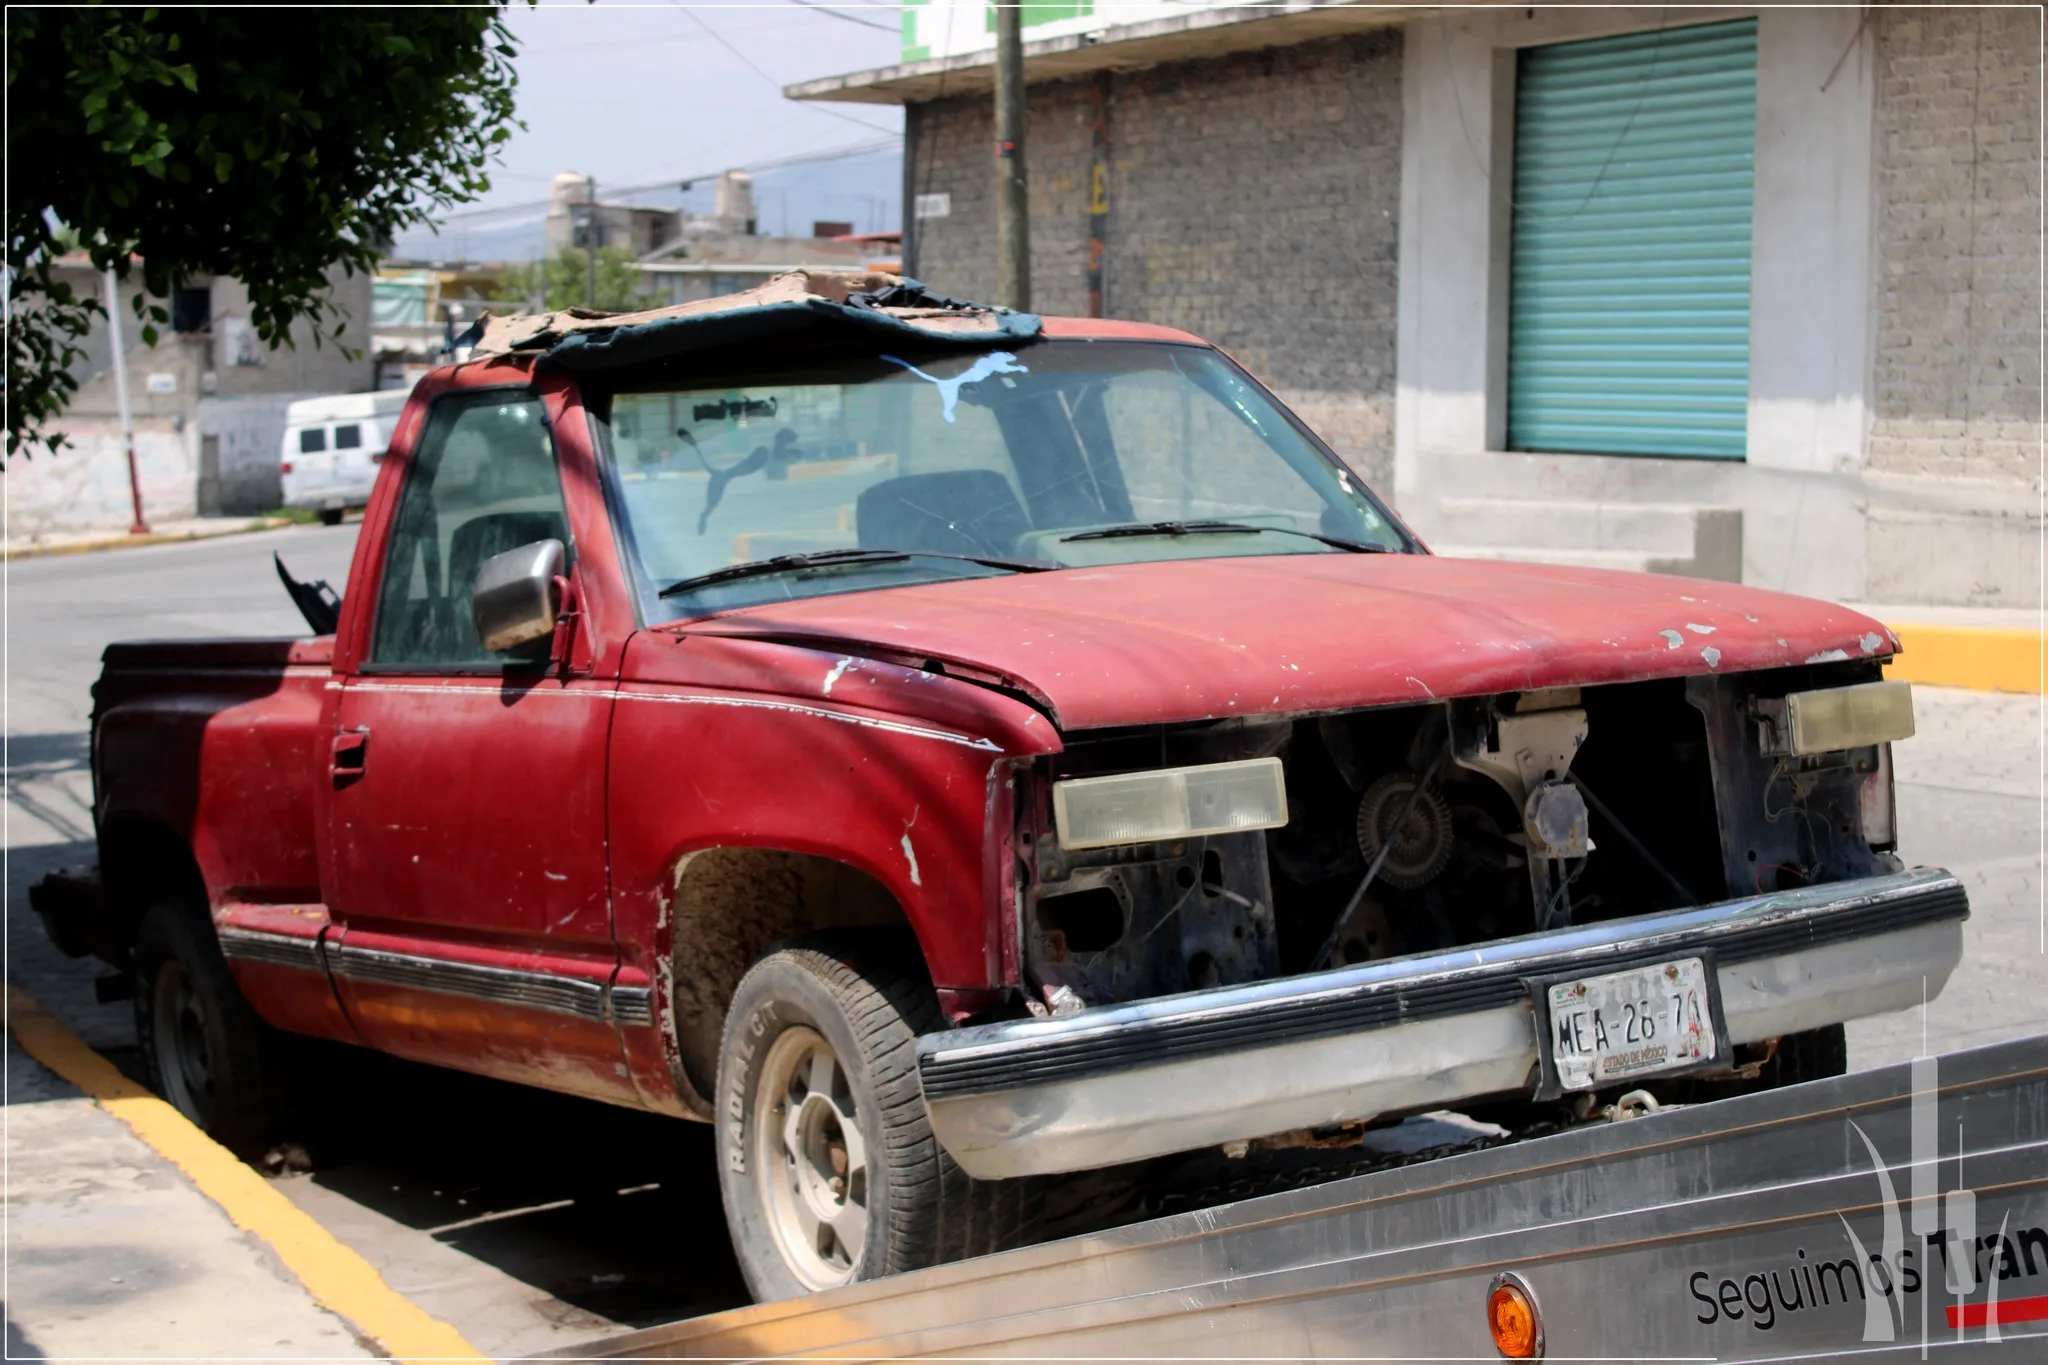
1980,658
338,1278
125,541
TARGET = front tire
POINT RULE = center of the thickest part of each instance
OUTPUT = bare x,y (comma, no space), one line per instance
826,1159
207,1051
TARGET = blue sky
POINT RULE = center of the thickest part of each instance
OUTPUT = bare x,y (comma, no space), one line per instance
637,94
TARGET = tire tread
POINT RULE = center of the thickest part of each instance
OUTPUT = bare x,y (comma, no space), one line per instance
878,983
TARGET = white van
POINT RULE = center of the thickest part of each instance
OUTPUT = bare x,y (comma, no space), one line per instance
332,446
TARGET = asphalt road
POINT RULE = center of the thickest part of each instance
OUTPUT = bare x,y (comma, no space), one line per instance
531,1222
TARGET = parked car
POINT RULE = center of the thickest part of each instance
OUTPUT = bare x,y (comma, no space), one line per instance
1080,765
332,447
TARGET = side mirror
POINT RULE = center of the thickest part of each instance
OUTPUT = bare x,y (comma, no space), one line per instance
515,598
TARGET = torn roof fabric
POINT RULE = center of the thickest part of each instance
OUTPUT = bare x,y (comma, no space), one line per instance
886,307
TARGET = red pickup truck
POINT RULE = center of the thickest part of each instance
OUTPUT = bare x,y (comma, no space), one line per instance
945,748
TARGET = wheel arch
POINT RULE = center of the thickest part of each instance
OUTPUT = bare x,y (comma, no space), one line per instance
143,862
727,905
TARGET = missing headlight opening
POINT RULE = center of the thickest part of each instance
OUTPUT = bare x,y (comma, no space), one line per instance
1417,829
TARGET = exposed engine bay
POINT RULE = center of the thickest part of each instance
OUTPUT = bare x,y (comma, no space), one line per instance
1420,828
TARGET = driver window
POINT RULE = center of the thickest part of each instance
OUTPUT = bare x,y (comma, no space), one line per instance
483,482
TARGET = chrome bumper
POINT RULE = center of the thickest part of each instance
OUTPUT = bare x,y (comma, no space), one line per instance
1125,1082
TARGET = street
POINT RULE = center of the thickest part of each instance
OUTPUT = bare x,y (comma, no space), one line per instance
528,1221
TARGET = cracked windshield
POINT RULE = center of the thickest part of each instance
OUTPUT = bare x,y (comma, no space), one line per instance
873,472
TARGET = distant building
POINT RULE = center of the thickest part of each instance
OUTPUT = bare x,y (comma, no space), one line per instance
705,265
208,402
571,216
418,311
1753,293
687,256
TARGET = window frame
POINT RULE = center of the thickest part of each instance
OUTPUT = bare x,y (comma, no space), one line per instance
597,406
510,668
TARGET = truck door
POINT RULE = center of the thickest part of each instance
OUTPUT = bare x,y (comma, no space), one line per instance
468,864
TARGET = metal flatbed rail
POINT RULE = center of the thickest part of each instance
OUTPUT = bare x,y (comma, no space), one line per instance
1823,1219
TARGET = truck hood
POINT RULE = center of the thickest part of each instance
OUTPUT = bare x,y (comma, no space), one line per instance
1184,640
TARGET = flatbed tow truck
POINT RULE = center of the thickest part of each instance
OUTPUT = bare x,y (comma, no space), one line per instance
1886,1215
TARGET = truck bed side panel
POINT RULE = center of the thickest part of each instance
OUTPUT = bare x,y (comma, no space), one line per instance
222,744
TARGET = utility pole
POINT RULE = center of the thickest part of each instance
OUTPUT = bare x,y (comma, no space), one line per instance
139,527
1013,222
590,242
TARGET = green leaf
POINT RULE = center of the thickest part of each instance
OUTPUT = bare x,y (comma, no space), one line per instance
178,143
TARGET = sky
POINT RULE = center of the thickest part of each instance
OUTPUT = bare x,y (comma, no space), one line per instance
637,94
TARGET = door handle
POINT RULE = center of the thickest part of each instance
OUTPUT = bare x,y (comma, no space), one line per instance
350,750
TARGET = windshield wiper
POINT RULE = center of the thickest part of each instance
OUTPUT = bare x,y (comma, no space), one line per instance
822,559
1203,528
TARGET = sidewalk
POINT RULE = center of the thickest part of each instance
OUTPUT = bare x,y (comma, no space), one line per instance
113,1254
160,532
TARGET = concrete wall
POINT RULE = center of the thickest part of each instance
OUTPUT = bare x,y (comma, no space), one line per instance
1251,202
85,486
227,359
1955,441
1799,489
207,438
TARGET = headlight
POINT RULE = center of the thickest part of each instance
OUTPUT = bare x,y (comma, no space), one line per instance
1836,718
1170,803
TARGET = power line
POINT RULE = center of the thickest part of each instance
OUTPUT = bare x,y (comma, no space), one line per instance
748,62
839,13
850,149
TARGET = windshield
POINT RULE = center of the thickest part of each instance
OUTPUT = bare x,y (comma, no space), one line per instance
970,465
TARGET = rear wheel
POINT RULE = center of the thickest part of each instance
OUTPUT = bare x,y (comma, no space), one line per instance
330,516
207,1051
829,1168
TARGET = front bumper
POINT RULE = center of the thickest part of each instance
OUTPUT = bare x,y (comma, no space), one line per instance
1125,1082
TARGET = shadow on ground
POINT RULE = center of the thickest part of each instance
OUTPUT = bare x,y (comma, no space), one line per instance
614,1212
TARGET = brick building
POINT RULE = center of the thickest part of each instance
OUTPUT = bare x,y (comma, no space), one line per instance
1742,292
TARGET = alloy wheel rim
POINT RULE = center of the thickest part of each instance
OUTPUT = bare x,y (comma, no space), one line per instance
810,1159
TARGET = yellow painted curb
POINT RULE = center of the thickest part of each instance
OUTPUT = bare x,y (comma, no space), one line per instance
1985,658
337,1277
124,542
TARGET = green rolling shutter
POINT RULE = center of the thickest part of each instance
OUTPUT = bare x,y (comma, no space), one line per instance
1635,167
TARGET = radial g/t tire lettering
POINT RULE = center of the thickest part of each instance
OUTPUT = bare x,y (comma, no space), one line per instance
825,1157
207,1051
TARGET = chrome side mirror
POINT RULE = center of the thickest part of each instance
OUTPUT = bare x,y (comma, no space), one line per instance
515,600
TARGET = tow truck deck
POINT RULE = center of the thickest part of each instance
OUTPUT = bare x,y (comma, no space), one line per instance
1885,1215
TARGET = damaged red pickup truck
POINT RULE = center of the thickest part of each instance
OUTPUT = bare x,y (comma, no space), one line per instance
944,748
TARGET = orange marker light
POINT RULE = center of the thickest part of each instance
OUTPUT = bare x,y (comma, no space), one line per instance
1512,1318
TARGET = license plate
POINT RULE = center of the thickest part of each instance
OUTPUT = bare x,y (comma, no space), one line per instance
1605,1029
